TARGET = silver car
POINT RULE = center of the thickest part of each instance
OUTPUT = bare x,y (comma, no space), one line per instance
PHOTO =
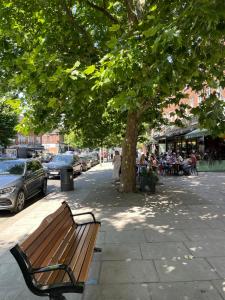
20,179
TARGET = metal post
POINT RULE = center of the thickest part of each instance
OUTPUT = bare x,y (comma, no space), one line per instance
100,155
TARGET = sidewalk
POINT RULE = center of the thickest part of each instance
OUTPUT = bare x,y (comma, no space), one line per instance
167,246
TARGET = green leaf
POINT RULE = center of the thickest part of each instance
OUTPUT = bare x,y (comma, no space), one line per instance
150,32
153,8
112,43
89,70
114,27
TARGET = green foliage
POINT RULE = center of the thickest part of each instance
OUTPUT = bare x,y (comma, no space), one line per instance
82,65
8,121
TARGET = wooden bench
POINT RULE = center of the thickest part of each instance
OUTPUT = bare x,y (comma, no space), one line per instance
56,257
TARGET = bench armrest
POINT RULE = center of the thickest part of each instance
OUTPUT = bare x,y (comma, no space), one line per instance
86,213
51,268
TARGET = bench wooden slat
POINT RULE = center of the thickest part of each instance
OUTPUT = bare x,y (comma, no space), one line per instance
54,255
88,258
76,254
45,248
65,258
83,253
44,224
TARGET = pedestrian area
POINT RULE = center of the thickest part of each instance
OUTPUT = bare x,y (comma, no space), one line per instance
167,246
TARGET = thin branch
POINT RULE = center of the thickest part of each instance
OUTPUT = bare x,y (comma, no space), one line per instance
75,23
103,10
132,18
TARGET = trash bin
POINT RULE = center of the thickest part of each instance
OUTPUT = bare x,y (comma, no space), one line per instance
66,178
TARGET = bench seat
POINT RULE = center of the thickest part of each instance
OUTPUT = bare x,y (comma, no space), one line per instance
56,257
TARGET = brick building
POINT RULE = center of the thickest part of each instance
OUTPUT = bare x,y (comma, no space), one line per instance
189,138
53,142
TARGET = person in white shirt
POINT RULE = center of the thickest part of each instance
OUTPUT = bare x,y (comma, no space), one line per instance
116,166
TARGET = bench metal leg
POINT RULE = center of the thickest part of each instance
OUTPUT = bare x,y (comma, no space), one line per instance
96,249
57,297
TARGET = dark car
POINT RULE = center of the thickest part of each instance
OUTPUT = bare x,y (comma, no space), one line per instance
61,161
86,162
20,179
46,157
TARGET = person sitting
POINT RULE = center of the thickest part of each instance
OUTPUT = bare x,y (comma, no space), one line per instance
142,164
153,163
186,166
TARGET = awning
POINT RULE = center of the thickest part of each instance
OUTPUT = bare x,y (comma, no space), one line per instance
174,132
196,133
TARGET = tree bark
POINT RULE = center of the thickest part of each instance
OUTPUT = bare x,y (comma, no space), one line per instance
128,168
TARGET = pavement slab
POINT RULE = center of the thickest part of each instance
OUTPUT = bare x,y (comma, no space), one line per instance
164,250
218,263
184,291
206,248
185,270
205,234
162,234
129,271
118,292
220,286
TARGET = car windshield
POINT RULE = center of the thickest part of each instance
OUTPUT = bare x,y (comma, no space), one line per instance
63,158
12,167
84,157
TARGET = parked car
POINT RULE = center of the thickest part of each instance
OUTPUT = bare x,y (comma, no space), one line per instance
20,179
86,162
94,159
46,157
60,161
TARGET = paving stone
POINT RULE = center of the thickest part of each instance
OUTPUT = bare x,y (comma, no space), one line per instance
27,295
120,252
128,272
220,286
205,234
215,223
163,235
117,292
185,270
206,248
10,273
163,250
100,237
127,236
219,264
184,291
93,276
10,293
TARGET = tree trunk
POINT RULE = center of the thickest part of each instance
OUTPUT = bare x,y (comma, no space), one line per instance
128,169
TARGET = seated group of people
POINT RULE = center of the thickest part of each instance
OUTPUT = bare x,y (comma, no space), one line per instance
169,163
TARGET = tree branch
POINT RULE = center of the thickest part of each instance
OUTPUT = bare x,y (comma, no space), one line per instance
132,18
103,10
74,22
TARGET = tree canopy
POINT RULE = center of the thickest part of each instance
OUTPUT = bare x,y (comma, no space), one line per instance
91,64
8,121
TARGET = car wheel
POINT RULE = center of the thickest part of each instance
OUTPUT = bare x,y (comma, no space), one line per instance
44,188
20,201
